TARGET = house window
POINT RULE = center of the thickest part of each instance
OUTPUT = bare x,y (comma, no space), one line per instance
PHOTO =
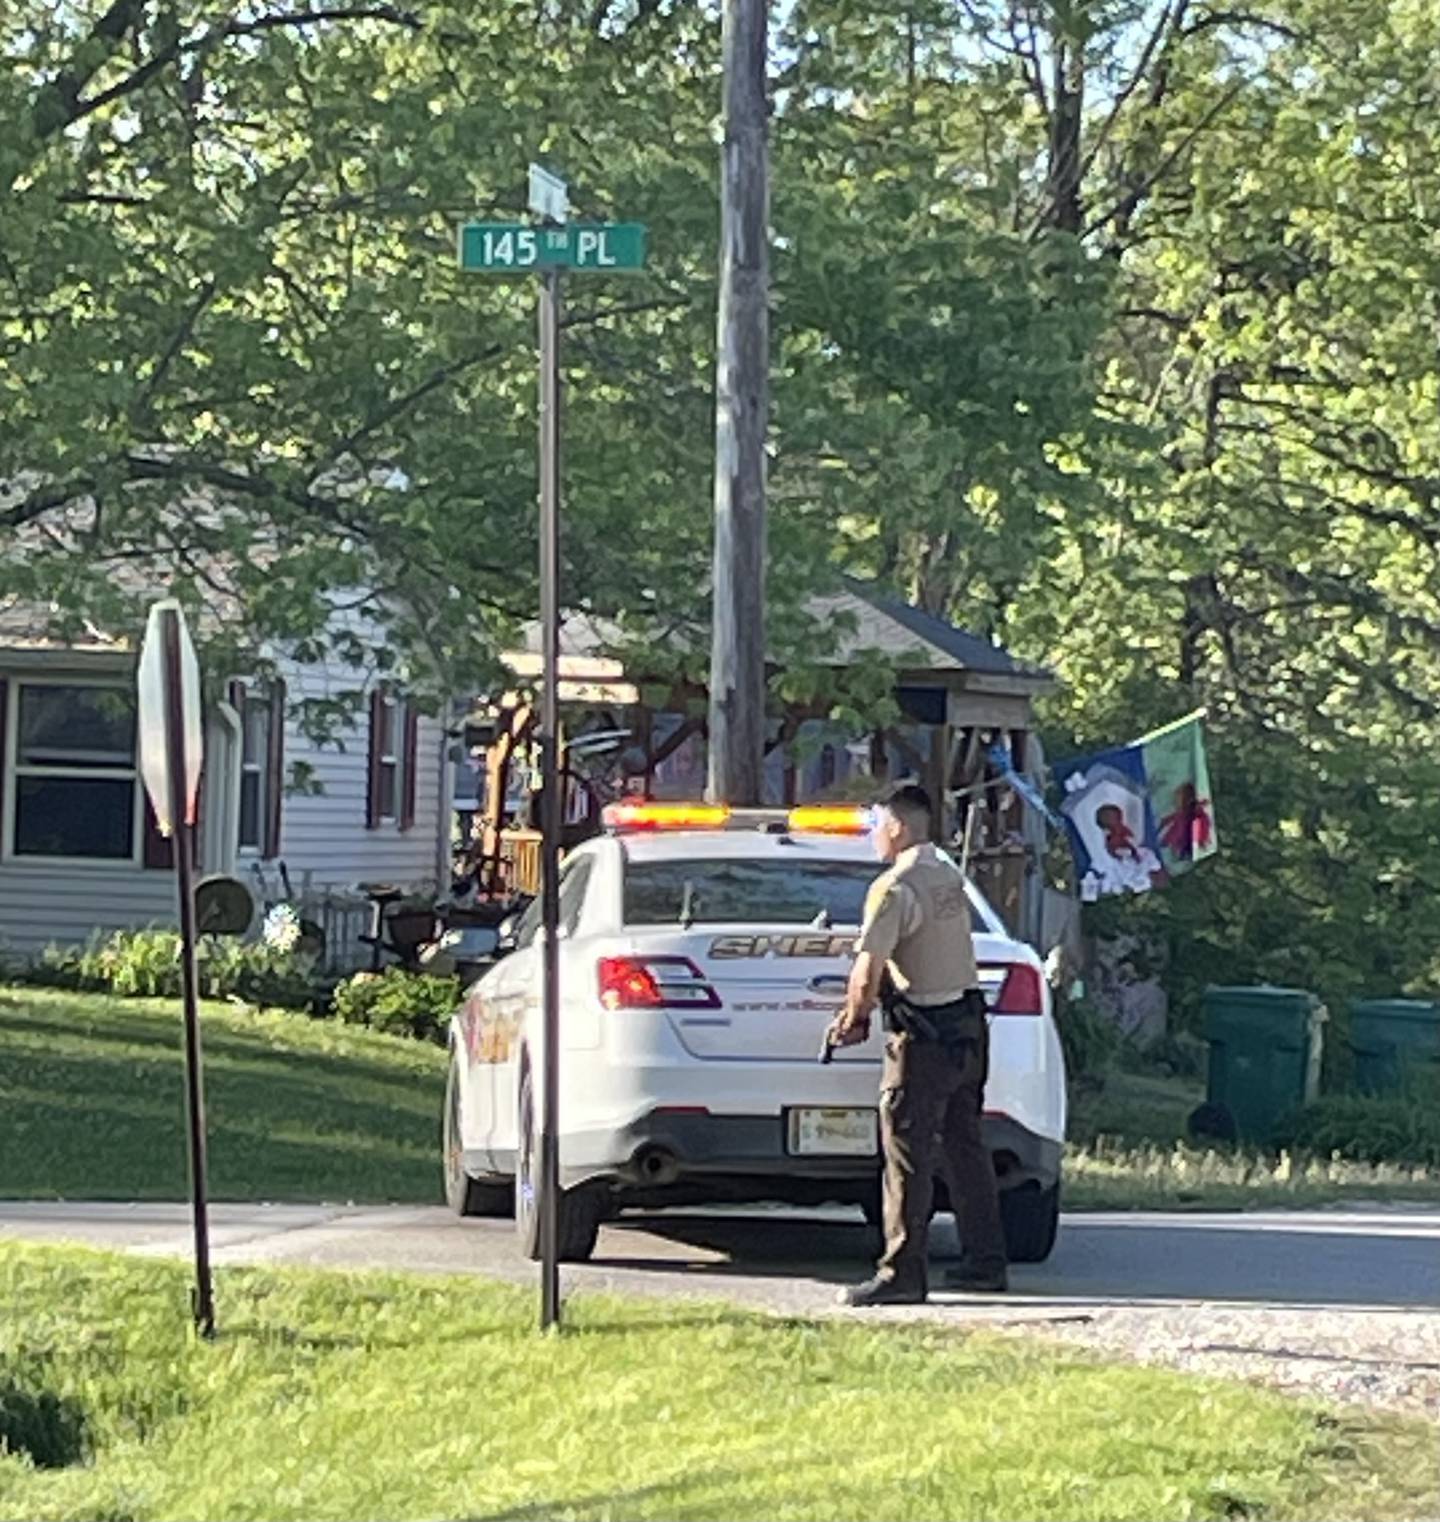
394,727
74,773
389,758
254,770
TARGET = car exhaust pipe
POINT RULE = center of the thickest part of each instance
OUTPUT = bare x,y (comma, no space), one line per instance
656,1165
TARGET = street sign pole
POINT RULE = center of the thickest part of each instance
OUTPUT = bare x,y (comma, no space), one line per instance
203,1302
552,812
509,249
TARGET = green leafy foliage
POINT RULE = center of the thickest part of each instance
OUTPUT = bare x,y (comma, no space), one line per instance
1090,1040
1397,1128
145,964
399,1002
1106,329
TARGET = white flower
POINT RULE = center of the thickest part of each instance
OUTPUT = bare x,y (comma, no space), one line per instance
281,929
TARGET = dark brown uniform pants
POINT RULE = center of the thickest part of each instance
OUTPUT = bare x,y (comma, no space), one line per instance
930,1122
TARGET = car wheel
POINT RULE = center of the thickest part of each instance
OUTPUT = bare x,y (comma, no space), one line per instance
464,1194
577,1216
1030,1216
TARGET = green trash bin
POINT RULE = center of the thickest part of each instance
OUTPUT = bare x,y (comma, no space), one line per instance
1394,1041
1265,1046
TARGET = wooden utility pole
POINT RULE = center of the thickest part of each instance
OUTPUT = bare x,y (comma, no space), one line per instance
742,410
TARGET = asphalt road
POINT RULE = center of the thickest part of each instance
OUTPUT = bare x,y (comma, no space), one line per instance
792,1261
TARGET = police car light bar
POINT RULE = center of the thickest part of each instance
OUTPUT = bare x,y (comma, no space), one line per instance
831,819
665,816
807,819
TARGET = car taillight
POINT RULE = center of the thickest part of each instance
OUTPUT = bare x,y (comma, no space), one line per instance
1020,993
654,983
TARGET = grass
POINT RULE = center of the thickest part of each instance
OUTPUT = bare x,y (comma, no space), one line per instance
1134,1107
339,1396
1129,1152
92,1093
300,1109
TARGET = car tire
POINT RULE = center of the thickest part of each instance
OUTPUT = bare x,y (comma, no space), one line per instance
577,1217
465,1194
1030,1217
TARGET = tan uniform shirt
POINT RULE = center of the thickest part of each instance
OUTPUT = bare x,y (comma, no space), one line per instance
917,918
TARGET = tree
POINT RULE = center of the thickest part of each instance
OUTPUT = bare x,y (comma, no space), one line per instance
237,352
1248,518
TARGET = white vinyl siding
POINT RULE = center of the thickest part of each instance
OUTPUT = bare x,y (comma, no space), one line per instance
323,838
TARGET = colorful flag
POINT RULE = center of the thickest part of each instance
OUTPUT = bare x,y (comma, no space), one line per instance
1140,814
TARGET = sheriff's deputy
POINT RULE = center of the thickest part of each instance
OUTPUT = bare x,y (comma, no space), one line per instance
916,957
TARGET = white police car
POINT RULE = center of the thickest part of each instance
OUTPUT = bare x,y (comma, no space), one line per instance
703,953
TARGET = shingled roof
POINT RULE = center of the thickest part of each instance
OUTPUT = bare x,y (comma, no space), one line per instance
865,619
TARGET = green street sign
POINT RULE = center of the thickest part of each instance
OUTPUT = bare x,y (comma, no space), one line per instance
506,248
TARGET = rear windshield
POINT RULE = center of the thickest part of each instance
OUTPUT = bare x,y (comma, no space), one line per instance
718,892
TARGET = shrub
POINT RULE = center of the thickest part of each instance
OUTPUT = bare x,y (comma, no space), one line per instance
259,974
146,964
401,1002
1089,1040
1177,1054
1402,1128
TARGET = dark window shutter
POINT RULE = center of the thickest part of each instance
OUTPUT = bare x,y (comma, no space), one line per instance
158,850
275,770
235,697
196,839
372,792
410,775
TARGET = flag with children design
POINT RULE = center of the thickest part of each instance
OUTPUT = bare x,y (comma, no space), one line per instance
1140,814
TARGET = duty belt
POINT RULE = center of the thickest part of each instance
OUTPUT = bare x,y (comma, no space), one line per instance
954,1026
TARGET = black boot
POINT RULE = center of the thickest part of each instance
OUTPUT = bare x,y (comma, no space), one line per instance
971,1279
883,1290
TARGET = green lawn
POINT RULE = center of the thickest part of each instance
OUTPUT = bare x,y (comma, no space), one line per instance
1135,1107
299,1109
342,1396
92,1094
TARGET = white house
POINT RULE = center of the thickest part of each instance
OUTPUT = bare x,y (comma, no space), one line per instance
79,850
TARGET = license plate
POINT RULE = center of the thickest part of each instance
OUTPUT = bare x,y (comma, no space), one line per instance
834,1133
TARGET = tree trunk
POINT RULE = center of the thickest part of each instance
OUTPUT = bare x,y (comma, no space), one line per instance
1066,207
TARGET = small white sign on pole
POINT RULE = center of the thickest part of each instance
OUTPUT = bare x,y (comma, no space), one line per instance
549,195
154,701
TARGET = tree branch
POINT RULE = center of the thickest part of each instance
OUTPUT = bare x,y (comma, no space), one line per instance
399,405
183,332
1128,203
1168,18
122,18
45,499
1212,19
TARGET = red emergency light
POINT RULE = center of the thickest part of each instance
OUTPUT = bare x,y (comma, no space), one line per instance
665,816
